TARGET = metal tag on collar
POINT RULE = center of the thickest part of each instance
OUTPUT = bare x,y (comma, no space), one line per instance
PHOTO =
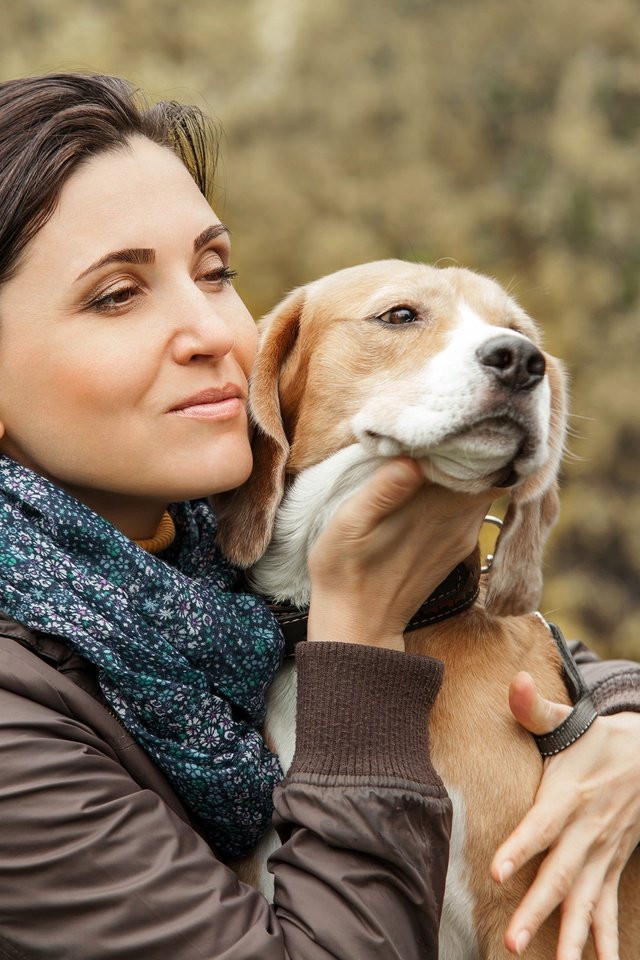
496,522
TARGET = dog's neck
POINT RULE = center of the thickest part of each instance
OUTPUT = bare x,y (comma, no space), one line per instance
456,593
315,494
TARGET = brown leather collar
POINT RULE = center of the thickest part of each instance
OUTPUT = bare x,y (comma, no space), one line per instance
457,592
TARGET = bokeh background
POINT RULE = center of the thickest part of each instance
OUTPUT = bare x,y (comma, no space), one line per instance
503,135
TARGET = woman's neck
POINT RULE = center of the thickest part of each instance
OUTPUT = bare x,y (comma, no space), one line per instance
136,517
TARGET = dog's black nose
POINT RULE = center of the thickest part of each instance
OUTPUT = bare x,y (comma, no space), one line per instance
515,362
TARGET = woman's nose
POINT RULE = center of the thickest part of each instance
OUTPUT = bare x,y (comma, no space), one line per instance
203,329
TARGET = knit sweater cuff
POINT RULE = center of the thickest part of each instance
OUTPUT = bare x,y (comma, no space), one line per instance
363,711
617,693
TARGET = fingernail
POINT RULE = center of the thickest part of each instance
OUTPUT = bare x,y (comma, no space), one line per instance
522,941
505,870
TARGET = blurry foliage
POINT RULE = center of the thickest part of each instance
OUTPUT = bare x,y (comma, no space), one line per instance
504,135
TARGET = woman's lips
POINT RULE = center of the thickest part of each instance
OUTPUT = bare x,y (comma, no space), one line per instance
213,404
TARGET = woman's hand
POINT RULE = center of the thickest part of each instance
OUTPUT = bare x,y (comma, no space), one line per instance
587,814
385,550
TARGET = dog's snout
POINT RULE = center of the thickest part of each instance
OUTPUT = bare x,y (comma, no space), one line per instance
514,361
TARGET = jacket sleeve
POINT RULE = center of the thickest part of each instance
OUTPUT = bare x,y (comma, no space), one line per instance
614,684
93,866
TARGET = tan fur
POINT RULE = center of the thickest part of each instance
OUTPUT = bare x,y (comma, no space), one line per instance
246,515
319,357
478,748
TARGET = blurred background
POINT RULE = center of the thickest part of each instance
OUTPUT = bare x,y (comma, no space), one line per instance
503,135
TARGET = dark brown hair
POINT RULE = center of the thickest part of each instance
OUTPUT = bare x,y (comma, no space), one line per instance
51,124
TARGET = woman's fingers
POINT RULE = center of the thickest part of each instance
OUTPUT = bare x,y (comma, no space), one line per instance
605,919
589,829
532,711
385,550
534,834
359,565
552,885
399,482
544,822
390,488
585,887
572,877
591,907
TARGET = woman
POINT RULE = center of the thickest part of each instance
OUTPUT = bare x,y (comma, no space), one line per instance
132,674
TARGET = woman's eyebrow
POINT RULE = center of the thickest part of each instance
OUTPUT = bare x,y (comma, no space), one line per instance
128,255
211,233
142,255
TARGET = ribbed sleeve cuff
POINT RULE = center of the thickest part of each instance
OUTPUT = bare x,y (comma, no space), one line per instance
363,711
617,693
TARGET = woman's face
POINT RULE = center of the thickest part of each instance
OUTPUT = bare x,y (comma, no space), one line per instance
124,349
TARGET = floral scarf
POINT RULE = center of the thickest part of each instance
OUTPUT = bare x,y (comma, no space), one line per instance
183,660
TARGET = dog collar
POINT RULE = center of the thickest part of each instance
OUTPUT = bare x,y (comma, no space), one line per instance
456,592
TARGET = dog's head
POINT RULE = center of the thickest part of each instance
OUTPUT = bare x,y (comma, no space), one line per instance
406,359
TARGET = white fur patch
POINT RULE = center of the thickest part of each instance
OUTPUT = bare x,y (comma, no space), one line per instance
280,726
457,932
267,845
312,499
280,733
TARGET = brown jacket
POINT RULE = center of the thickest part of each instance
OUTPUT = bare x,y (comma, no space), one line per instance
98,858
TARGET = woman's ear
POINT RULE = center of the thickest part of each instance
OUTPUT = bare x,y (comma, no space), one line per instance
514,582
246,515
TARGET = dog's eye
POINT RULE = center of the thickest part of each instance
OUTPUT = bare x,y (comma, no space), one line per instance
398,315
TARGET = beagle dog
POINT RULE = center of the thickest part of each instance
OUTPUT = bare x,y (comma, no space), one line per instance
394,358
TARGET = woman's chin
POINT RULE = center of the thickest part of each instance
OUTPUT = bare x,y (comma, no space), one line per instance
229,472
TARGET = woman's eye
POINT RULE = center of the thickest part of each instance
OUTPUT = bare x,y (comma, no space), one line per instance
219,275
114,299
398,315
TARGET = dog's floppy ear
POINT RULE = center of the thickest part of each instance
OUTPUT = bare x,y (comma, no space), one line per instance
246,515
514,583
